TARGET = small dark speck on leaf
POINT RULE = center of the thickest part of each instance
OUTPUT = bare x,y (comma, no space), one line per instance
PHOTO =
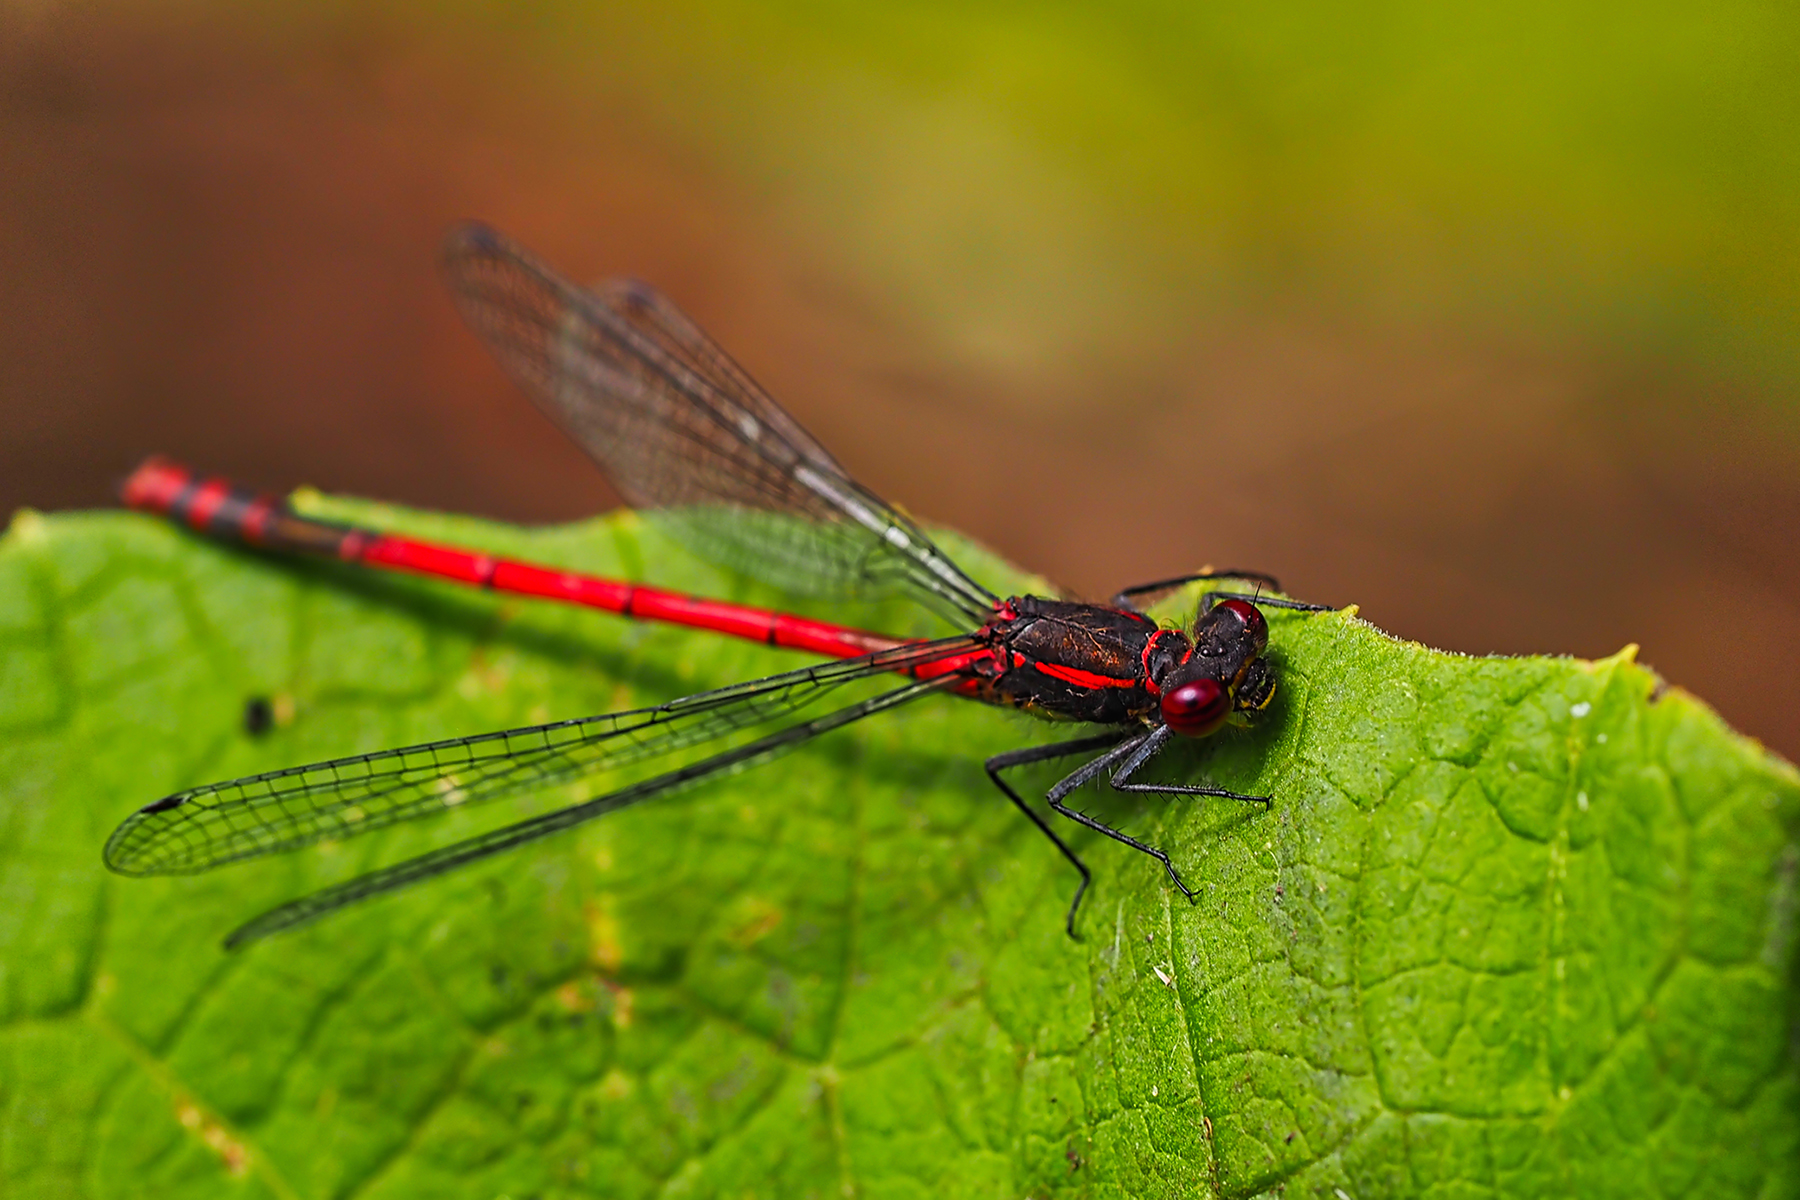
1074,1159
1280,891
259,716
1289,1139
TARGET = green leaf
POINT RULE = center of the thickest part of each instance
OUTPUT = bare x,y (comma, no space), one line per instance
1514,927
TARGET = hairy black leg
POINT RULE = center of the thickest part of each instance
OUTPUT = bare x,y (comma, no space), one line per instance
1212,598
1147,750
1034,754
1123,761
1126,595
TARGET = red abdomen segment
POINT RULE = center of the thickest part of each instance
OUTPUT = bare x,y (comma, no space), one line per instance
218,509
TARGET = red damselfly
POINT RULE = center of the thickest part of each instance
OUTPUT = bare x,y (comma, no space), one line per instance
691,440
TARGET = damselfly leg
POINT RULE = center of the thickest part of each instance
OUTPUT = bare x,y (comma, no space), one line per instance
1211,598
1122,760
1037,754
1142,595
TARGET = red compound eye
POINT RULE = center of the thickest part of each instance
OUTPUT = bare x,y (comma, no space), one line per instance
1252,618
1196,709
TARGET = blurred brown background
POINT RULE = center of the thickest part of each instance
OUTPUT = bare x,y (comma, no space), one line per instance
1490,331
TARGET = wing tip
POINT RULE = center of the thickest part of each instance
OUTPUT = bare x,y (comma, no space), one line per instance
124,853
118,855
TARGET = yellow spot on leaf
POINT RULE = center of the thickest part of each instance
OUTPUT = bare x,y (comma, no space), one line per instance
27,525
576,997
760,918
623,1001
228,1148
603,934
217,1139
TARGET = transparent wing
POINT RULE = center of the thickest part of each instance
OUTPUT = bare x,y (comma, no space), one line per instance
498,841
206,827
688,437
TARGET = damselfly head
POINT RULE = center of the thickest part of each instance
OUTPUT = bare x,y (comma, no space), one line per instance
1225,672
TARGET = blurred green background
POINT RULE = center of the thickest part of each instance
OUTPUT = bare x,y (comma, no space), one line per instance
1487,321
